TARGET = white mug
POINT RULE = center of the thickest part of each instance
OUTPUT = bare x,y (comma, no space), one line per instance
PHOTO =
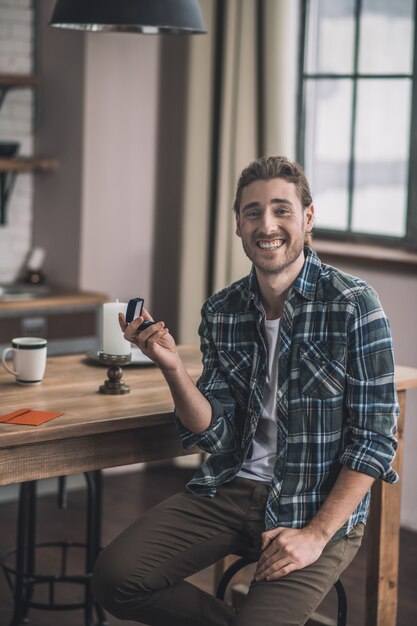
29,359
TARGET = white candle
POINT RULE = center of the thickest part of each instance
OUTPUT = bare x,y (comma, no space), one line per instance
112,340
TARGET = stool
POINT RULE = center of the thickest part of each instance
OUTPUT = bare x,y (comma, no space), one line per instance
251,555
22,578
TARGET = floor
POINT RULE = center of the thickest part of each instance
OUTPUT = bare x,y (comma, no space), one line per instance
125,497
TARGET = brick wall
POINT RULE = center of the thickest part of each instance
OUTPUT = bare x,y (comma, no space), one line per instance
16,124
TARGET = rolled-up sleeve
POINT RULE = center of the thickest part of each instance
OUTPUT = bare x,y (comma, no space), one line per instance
371,396
213,385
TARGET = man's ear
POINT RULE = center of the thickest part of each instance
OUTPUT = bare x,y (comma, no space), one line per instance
309,216
237,216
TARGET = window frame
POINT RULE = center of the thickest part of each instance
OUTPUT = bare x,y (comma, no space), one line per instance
409,241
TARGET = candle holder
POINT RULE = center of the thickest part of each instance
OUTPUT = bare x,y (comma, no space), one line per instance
114,385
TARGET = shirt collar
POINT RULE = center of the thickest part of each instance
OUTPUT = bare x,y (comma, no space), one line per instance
305,282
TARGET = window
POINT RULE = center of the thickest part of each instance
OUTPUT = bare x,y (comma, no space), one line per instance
356,120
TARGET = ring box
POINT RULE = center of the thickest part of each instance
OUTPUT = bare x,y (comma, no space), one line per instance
134,310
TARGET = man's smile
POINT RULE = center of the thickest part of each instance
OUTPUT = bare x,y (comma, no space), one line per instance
273,244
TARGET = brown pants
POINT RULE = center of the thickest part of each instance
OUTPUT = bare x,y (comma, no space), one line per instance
140,575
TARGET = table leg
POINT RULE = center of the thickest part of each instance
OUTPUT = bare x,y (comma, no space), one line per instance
383,543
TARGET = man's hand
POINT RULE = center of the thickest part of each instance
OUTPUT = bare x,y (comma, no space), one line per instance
287,549
193,409
155,341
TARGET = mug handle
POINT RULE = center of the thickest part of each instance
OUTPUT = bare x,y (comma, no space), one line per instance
3,360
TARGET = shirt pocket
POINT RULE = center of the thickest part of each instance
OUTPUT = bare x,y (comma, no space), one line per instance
237,367
322,369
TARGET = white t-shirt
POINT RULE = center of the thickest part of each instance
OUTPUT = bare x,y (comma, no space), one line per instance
260,464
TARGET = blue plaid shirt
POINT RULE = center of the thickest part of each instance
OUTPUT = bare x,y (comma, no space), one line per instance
336,402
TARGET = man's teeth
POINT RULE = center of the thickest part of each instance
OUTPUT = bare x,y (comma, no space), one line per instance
270,245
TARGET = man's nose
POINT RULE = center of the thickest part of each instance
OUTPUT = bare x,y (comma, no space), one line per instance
269,223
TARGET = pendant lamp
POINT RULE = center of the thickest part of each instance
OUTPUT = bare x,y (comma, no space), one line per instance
137,16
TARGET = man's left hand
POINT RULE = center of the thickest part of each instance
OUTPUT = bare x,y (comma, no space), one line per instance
287,549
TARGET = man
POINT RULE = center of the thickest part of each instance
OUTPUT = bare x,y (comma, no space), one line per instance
296,407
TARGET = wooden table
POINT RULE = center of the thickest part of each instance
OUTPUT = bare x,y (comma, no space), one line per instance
98,431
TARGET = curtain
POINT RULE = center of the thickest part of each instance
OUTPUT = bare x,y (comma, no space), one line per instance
241,103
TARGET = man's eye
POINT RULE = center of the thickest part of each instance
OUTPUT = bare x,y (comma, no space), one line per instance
281,211
252,214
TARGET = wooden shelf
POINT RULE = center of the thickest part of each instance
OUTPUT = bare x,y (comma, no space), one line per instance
18,80
10,167
28,164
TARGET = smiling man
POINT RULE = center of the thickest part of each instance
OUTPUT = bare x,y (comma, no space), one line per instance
271,218
296,407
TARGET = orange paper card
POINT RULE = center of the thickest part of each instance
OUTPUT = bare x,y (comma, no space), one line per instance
35,418
10,416
27,417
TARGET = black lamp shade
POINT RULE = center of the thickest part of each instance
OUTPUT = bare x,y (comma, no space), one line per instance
140,16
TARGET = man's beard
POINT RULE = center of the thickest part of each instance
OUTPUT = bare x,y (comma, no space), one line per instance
275,265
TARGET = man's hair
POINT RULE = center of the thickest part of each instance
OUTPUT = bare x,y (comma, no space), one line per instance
268,167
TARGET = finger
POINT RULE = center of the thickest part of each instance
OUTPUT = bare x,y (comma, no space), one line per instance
155,333
266,563
270,535
122,322
267,557
274,573
273,533
273,567
271,556
269,538
154,340
143,338
274,550
130,331
266,541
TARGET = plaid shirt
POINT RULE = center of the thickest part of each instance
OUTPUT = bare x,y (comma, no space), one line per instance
336,402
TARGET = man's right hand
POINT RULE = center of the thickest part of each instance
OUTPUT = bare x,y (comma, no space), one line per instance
156,342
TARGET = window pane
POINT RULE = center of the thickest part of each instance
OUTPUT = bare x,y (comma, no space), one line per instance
381,156
327,148
386,37
330,36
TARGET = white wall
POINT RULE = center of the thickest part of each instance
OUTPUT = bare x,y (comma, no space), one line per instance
120,138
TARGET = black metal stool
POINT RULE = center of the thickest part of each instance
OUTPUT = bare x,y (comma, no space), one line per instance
23,578
251,555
